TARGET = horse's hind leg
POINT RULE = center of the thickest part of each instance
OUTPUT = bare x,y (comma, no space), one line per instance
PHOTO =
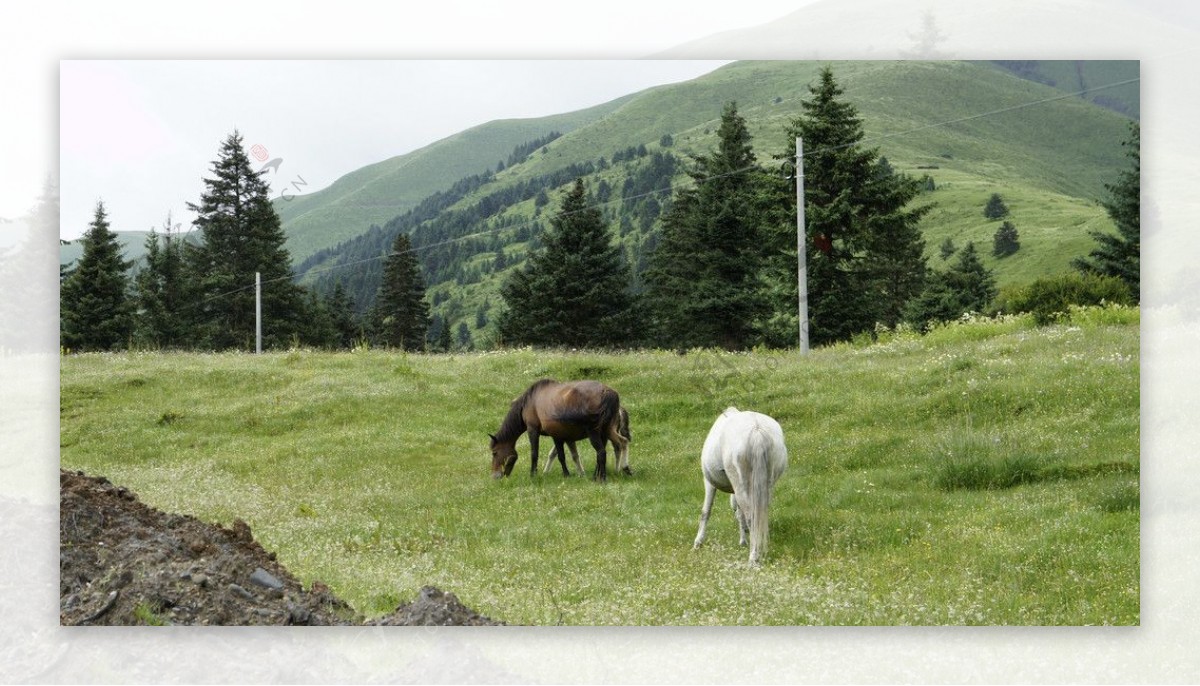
743,518
600,444
620,451
705,510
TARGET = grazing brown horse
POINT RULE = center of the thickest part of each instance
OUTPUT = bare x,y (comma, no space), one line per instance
568,411
622,428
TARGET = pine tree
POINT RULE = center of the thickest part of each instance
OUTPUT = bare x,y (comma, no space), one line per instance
968,286
1006,240
574,292
948,248
702,282
463,338
241,234
995,208
162,291
341,311
401,313
96,311
1119,254
865,248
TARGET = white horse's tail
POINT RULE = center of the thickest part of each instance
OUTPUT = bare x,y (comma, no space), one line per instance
759,492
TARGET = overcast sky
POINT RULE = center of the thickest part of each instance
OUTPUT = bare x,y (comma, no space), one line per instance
140,134
154,127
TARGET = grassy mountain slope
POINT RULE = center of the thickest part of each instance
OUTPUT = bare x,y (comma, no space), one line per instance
1093,79
378,192
974,128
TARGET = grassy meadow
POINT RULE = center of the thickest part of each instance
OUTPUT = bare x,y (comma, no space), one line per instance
986,473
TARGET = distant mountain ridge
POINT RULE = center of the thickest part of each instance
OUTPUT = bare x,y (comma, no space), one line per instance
378,192
974,128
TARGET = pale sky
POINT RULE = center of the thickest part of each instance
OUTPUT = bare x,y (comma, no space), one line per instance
36,36
140,134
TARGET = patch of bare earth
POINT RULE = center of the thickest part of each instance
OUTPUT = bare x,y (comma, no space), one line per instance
124,563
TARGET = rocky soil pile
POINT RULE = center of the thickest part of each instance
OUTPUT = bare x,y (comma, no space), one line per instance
124,563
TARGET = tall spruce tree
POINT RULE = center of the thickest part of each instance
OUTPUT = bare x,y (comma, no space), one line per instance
401,314
702,284
96,310
1119,254
574,292
865,248
241,234
161,290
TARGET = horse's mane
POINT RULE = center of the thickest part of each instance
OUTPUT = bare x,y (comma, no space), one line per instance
514,423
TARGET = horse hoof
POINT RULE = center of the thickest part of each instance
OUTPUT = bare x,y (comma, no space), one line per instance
627,471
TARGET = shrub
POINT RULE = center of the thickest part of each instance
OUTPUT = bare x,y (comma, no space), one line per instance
1049,299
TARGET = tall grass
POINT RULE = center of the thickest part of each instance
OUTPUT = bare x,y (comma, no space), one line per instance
983,474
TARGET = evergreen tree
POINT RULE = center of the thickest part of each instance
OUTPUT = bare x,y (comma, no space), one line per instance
865,248
574,292
948,248
319,331
464,340
1119,254
702,282
445,341
162,291
401,313
241,234
967,286
995,208
96,311
1006,240
341,312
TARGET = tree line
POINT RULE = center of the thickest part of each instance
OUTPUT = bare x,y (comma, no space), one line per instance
720,272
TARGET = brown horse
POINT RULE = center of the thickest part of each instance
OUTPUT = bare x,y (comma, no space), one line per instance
622,428
568,411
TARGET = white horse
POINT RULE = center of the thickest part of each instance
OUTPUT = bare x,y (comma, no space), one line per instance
744,455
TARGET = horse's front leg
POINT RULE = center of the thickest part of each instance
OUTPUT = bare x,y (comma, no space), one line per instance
705,510
533,452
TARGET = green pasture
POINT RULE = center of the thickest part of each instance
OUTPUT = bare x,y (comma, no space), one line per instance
986,473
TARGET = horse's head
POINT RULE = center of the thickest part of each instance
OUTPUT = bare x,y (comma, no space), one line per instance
504,456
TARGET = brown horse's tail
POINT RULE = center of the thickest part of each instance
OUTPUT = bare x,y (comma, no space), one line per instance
609,421
614,425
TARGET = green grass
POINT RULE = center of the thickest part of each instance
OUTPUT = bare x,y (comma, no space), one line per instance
986,473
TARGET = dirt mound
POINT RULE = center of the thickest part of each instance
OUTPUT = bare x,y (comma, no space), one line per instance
123,563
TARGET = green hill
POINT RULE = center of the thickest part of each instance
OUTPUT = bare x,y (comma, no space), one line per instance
378,192
975,128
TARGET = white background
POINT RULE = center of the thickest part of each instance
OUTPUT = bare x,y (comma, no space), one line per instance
34,649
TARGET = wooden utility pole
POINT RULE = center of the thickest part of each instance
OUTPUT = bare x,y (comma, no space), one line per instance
257,313
801,249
